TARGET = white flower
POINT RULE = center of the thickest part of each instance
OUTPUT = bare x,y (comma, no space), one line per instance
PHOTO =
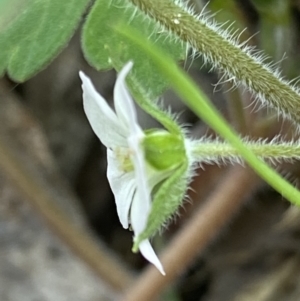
126,171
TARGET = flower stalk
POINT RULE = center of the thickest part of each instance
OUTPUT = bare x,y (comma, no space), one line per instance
206,150
238,62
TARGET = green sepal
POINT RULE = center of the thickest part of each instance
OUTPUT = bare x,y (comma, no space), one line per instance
164,150
166,201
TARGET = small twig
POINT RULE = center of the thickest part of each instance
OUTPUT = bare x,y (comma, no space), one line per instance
197,233
81,242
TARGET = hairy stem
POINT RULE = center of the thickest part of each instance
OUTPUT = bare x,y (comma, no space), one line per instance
206,150
221,49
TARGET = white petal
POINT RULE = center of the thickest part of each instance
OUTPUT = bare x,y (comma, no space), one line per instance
102,118
122,185
141,204
124,105
148,252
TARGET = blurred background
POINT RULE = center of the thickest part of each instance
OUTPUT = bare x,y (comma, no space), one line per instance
60,237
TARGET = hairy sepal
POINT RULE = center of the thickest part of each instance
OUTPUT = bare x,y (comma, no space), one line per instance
166,201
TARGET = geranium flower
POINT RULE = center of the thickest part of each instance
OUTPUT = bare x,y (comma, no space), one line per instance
130,178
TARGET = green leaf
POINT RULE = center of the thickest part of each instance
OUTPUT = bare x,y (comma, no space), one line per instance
199,103
105,48
9,10
32,32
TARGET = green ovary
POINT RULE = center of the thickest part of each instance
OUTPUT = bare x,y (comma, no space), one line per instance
163,150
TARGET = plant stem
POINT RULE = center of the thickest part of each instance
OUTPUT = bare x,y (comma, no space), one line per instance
206,150
221,48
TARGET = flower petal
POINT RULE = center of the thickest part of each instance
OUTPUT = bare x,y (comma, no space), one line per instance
148,252
124,105
122,185
102,118
139,212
